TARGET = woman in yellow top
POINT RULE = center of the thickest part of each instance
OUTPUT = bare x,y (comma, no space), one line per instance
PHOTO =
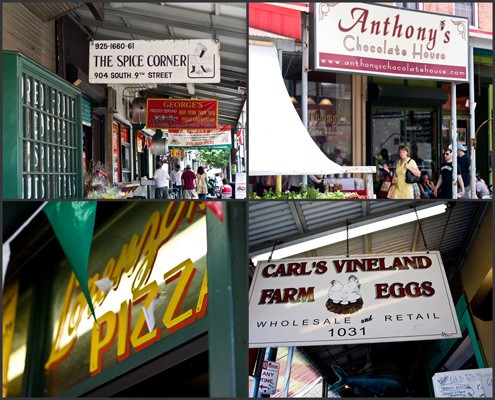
404,190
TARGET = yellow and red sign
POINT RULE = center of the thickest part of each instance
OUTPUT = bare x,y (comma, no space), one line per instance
181,114
142,266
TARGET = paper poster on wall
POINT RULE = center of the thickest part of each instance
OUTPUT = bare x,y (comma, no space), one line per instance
469,383
240,185
348,300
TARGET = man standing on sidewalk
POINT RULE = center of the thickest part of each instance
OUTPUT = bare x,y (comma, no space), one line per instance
176,179
189,183
464,162
443,188
162,180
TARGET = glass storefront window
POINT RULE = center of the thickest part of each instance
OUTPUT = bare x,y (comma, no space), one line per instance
121,158
329,115
413,128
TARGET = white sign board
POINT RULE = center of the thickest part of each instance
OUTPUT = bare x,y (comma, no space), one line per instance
389,41
240,185
468,383
154,61
355,299
269,377
219,138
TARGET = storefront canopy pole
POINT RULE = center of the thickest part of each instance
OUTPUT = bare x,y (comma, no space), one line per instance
304,77
453,98
288,368
278,181
472,124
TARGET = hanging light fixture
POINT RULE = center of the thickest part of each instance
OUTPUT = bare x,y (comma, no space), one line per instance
293,99
326,102
310,100
352,231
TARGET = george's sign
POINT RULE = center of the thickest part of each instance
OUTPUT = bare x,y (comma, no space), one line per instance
389,41
358,299
181,114
147,280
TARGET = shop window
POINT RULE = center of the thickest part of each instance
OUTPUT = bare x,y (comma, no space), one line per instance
16,308
466,10
329,115
414,128
121,153
462,131
411,6
304,380
125,149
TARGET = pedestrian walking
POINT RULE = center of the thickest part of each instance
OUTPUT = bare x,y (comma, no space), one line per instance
189,183
464,163
443,188
162,180
202,186
226,189
176,179
403,189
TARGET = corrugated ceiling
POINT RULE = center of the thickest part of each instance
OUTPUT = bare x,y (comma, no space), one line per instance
179,20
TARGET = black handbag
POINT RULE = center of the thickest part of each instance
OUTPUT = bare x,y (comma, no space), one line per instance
410,178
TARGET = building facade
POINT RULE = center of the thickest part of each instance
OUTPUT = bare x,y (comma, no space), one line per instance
360,119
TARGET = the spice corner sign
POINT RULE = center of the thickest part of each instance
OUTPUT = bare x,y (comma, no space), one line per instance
355,299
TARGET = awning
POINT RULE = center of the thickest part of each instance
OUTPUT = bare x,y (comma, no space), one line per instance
278,142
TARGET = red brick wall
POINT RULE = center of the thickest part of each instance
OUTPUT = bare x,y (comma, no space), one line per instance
441,8
485,12
485,16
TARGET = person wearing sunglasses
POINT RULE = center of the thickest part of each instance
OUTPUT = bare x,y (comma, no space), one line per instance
443,188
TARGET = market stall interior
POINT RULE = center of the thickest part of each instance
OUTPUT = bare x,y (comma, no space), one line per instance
281,230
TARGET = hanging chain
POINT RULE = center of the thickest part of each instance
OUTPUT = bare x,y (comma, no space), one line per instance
273,249
212,27
445,227
347,237
421,228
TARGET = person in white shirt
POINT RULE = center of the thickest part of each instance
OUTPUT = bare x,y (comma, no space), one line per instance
176,179
162,180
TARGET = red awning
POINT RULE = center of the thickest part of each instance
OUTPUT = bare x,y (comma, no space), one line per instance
283,19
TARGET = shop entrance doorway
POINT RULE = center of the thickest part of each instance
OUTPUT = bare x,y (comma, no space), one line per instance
414,128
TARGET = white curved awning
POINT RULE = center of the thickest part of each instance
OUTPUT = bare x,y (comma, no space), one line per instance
278,142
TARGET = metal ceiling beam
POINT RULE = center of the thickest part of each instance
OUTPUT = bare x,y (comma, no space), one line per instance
97,11
185,16
236,33
262,248
152,34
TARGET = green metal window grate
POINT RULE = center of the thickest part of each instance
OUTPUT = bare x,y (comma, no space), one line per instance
42,133
49,141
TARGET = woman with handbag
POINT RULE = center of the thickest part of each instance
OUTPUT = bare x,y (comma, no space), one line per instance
406,170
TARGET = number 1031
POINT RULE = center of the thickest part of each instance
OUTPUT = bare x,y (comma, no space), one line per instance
347,331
